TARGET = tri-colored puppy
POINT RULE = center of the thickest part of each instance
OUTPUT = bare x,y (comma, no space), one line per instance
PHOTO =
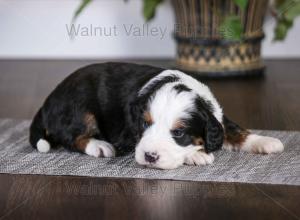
168,118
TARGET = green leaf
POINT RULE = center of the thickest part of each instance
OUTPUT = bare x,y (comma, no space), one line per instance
82,6
241,3
283,5
293,11
281,29
231,28
150,8
287,11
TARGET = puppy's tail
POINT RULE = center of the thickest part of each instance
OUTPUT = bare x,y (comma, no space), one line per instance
37,137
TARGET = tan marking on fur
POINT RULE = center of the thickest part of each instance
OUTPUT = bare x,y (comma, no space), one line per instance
198,141
148,118
81,142
91,129
91,124
236,140
178,124
89,117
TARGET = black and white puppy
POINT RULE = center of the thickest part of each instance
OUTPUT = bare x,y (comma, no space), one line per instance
168,118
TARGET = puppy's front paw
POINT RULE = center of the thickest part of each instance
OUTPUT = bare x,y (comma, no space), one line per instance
97,148
199,158
263,144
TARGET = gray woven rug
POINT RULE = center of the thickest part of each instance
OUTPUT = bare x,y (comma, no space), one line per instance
17,157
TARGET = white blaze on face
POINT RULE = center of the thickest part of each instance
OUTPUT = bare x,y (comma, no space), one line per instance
198,88
166,108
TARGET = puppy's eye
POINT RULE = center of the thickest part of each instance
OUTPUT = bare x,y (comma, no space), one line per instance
178,133
146,124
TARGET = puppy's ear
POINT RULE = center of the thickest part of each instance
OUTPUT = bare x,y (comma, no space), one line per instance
213,134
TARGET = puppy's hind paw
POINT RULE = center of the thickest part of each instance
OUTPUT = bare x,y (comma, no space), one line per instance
263,145
268,145
97,148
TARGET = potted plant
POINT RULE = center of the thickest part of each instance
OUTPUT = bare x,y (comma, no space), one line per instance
222,37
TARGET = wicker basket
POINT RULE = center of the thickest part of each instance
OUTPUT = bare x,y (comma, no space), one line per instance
200,46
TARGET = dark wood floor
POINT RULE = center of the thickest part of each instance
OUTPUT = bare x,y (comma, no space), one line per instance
271,102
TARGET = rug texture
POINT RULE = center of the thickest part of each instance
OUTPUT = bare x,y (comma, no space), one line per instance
18,157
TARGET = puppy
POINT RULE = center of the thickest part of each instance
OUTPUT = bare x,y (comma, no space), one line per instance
168,118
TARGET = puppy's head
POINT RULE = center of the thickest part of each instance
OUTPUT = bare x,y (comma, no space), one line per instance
175,122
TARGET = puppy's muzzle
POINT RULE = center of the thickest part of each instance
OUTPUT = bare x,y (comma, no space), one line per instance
151,157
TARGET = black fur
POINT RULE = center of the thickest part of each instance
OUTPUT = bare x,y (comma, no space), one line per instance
182,88
202,124
105,90
109,91
37,129
154,86
235,134
211,130
186,139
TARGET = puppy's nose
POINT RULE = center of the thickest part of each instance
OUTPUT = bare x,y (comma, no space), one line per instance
151,157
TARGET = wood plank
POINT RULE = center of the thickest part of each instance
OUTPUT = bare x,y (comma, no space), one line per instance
49,197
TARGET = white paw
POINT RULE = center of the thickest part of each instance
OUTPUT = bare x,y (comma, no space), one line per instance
263,144
97,148
199,158
267,145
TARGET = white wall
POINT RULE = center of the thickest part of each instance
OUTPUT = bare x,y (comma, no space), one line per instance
37,29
